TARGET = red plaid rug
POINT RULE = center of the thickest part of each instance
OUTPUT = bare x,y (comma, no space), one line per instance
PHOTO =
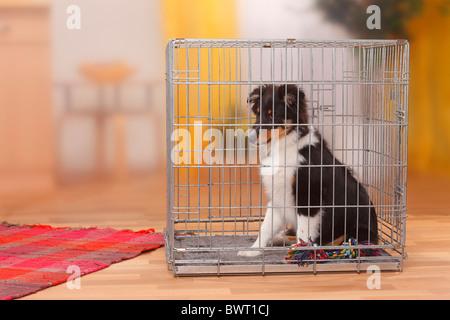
35,257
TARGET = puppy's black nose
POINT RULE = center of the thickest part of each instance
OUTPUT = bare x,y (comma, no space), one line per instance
253,137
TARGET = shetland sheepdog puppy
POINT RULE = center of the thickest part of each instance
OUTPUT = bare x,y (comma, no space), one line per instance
309,190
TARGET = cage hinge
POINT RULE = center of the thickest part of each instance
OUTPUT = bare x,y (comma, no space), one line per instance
400,115
399,190
405,75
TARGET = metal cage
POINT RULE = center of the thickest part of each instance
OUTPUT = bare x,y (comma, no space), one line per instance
357,98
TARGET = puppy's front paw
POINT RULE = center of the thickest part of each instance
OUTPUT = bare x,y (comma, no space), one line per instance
249,253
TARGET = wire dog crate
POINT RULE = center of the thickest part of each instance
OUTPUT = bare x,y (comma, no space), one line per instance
357,99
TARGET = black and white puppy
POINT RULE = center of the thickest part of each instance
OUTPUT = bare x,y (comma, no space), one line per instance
308,188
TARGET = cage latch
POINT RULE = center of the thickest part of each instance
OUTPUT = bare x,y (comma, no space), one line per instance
327,107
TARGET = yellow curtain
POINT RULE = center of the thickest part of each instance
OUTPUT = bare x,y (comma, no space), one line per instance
199,18
203,19
429,113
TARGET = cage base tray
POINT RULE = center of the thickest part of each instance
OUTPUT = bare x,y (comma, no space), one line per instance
218,255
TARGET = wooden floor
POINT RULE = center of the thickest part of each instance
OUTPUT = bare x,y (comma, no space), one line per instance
140,203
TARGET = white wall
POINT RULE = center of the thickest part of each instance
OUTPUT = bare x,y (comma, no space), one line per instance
281,19
111,30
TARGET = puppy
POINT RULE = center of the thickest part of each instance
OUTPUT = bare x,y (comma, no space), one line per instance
307,187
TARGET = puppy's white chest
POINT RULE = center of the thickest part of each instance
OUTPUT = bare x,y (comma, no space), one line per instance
278,172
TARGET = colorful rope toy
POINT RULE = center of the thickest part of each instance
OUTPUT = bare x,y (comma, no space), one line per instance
304,257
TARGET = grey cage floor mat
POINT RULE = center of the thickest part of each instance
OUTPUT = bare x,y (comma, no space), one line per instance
223,249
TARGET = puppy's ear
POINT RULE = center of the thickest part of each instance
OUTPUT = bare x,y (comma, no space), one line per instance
254,95
290,99
291,95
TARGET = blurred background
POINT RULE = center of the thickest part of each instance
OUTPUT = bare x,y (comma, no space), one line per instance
83,101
